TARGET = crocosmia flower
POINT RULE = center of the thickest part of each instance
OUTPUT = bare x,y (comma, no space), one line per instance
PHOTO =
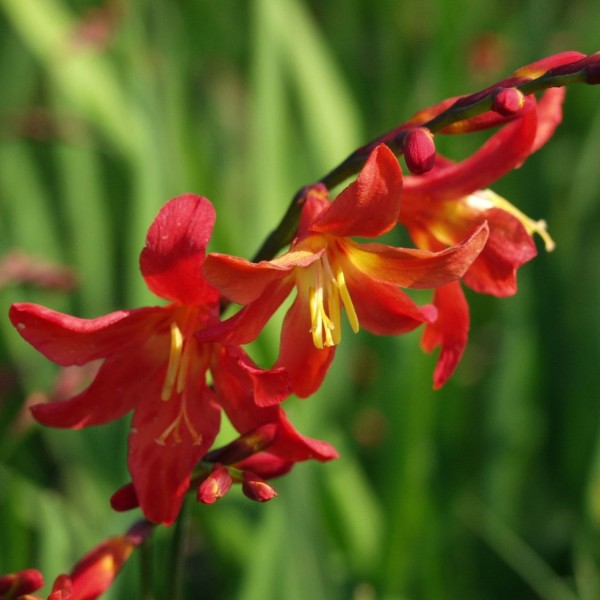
152,364
440,207
333,273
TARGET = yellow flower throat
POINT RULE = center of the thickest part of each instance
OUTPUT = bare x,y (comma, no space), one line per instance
326,288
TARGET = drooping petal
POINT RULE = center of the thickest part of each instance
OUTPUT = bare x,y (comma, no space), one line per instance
231,377
167,439
268,388
508,247
383,309
68,340
247,323
549,115
419,269
503,151
306,365
171,261
369,206
450,331
120,384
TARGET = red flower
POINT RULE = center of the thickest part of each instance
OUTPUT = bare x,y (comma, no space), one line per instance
442,206
154,365
331,271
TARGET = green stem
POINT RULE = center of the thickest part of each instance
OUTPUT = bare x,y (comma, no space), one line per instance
284,233
146,569
175,583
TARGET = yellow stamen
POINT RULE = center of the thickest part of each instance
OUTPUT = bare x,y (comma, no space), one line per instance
348,305
174,361
485,199
325,288
173,428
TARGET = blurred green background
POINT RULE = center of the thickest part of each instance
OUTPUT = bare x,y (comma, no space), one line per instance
487,489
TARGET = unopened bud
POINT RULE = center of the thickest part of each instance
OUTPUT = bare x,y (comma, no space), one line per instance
62,588
419,150
246,445
215,486
256,488
21,583
592,74
124,498
507,101
265,465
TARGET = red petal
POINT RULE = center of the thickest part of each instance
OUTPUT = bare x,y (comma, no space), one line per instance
306,365
235,393
502,152
67,340
419,269
161,471
549,115
112,394
369,206
171,262
247,323
508,247
450,331
383,309
243,281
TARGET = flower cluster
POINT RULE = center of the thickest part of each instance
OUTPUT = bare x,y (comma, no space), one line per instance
178,367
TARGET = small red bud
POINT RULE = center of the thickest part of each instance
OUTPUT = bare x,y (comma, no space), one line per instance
215,486
507,101
419,150
124,498
20,583
256,488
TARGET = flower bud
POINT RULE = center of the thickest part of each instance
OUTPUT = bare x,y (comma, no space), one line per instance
507,101
265,465
124,498
215,485
246,445
256,488
20,583
419,150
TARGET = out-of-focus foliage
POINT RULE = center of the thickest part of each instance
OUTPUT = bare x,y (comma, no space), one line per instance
489,488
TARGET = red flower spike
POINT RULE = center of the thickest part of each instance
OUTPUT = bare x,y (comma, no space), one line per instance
215,485
419,150
331,272
256,488
507,101
440,207
176,416
14,585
